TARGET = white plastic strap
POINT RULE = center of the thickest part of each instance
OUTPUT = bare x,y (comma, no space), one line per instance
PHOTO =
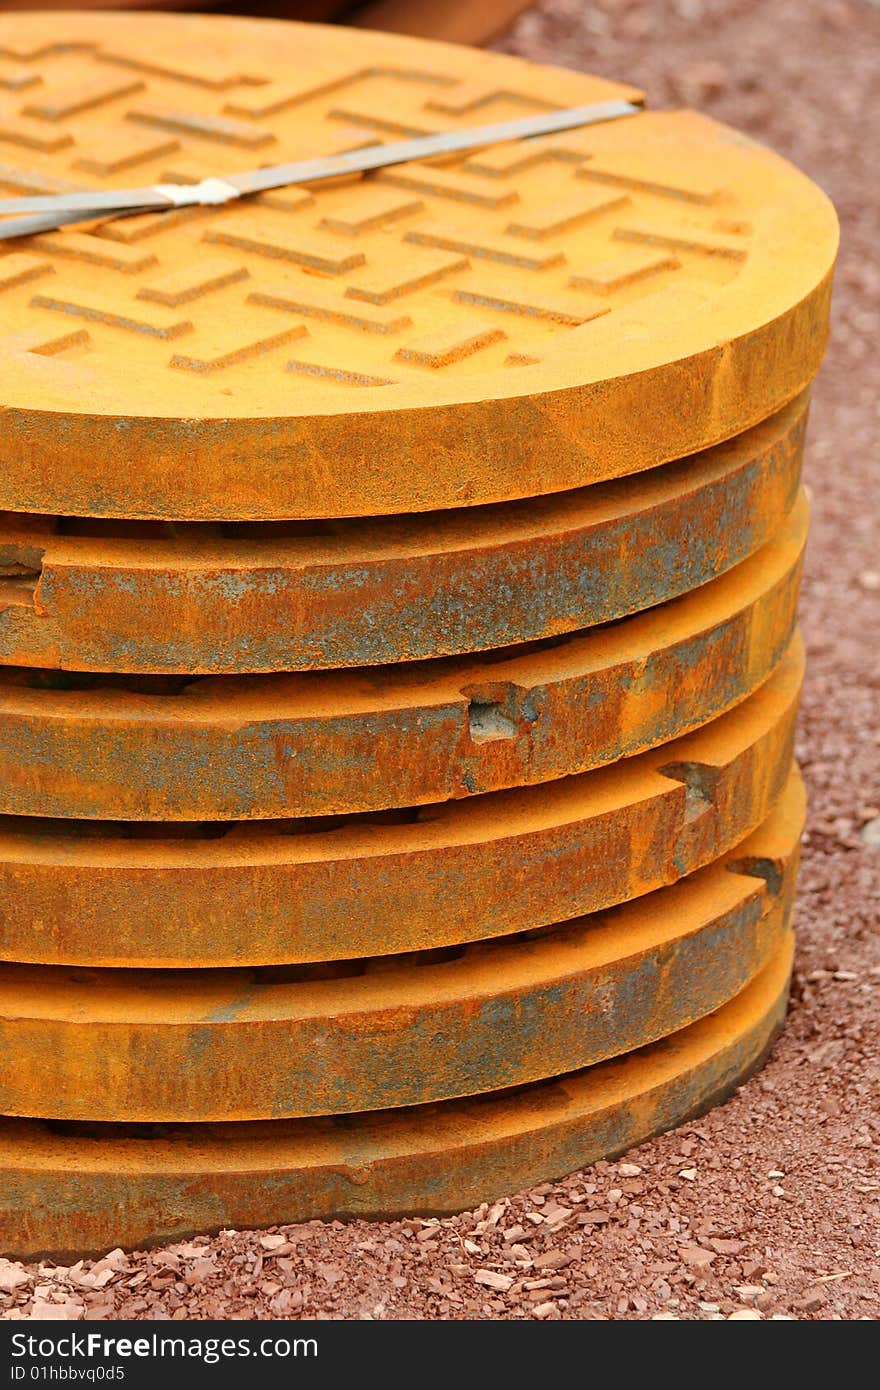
208,193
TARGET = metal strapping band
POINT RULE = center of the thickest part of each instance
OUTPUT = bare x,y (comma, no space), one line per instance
55,210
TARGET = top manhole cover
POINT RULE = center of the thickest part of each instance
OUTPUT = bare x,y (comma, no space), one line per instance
517,321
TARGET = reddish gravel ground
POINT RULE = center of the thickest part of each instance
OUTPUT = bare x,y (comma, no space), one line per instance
768,1206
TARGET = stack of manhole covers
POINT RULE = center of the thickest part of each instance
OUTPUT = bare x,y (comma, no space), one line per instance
398,628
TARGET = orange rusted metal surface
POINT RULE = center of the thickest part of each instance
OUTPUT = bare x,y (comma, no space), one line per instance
398,651
242,748
533,318
71,1189
155,598
279,894
219,1045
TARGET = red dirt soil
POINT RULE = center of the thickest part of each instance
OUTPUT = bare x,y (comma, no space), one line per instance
768,1206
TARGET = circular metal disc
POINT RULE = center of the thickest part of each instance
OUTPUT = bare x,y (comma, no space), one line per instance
535,317
154,597
123,1045
114,894
260,747
66,1190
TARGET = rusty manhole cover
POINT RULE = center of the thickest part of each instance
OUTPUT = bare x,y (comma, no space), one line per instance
257,893
527,319
152,597
260,747
386,1033
103,1183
